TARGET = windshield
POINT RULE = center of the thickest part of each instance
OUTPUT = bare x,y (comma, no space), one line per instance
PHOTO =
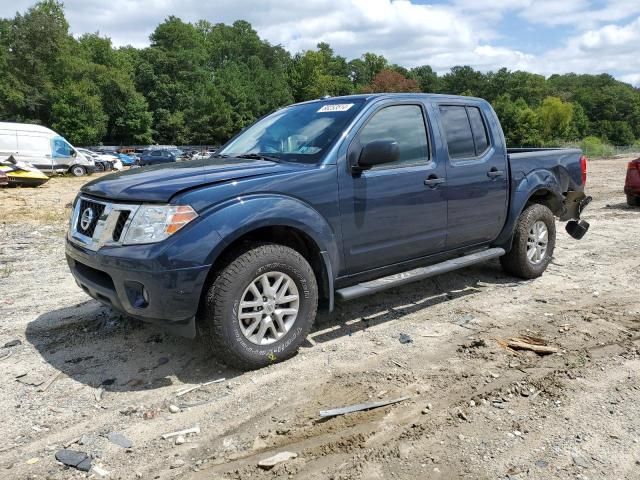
300,133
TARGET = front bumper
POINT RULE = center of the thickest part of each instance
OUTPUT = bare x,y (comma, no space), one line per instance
166,297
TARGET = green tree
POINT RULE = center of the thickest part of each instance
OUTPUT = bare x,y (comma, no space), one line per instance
77,111
427,79
556,117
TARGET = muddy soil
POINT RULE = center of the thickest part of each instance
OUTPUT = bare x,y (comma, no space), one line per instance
476,410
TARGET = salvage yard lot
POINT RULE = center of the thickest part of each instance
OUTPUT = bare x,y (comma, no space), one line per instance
476,409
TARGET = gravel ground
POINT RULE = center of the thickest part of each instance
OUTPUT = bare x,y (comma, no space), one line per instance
476,410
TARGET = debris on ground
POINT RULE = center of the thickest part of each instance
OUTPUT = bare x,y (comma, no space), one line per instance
98,394
184,391
359,407
405,338
272,461
101,472
12,343
193,430
49,382
525,342
120,440
75,459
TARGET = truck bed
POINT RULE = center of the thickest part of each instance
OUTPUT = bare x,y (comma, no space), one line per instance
564,163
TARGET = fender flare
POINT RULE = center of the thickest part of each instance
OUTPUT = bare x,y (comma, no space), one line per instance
527,188
237,217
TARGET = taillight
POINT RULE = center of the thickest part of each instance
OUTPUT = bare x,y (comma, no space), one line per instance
583,168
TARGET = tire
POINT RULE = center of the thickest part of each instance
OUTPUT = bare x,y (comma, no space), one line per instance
633,201
78,171
518,261
236,341
99,167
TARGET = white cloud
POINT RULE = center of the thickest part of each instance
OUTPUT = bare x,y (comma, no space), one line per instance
610,48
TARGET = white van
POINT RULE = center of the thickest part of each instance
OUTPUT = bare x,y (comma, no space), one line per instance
43,148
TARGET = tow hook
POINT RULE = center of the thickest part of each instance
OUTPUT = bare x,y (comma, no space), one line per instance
577,229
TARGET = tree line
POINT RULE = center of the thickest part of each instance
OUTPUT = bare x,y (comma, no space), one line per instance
199,83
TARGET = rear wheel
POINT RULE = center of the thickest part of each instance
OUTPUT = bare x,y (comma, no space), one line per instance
99,167
533,243
78,171
633,201
261,307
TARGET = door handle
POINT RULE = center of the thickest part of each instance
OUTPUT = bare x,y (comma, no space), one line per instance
434,181
494,173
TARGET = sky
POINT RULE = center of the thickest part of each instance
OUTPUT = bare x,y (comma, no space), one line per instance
542,36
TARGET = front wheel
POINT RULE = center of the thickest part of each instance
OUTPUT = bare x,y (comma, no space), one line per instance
78,171
533,243
261,307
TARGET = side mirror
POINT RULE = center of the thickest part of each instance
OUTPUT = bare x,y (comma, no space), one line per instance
379,152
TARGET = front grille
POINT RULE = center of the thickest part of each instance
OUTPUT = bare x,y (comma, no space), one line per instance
97,223
122,220
89,214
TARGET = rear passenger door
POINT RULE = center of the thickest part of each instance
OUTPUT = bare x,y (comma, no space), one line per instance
477,186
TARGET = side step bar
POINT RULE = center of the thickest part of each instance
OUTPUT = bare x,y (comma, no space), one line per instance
374,286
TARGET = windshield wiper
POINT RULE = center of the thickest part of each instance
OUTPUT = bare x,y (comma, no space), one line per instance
259,156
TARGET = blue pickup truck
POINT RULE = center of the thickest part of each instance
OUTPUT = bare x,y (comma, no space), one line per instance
326,200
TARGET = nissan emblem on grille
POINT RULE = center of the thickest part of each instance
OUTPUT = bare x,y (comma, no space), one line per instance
87,218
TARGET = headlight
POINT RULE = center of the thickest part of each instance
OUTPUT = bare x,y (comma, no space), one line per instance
154,223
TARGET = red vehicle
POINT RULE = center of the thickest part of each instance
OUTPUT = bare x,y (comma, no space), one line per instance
632,184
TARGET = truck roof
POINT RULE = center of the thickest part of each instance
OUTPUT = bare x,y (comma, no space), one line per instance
370,96
26,127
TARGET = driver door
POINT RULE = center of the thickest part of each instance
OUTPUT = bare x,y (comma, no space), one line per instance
396,211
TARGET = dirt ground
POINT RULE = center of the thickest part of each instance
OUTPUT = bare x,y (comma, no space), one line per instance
475,409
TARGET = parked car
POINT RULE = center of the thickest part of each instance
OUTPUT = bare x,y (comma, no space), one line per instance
158,156
107,160
632,183
126,159
42,148
102,165
330,199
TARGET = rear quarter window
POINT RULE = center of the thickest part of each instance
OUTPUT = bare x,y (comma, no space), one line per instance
479,130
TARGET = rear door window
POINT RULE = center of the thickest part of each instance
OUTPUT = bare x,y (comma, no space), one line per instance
457,131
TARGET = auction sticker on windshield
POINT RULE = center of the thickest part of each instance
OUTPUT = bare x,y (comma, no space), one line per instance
336,107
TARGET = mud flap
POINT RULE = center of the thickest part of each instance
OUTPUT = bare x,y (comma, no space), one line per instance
577,229
574,204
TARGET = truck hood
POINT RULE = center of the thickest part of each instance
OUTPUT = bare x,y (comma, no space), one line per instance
159,183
